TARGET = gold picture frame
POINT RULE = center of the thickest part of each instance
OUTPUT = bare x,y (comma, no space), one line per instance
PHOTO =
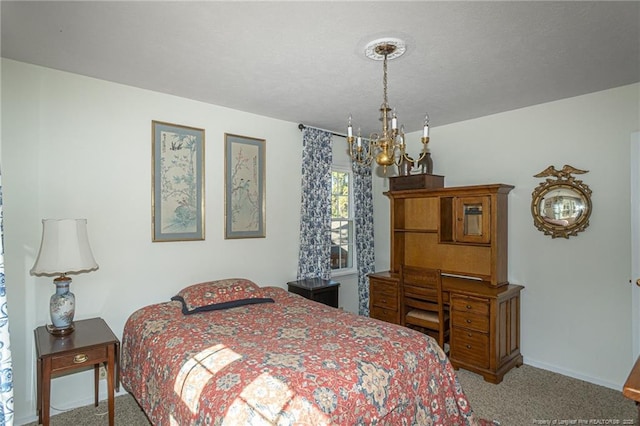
177,196
244,191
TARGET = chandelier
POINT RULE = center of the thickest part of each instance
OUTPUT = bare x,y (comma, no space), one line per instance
388,147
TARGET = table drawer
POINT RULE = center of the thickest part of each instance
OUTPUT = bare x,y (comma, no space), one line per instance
475,305
384,295
470,347
471,321
75,359
387,315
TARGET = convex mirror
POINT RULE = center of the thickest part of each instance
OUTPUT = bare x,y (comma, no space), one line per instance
561,205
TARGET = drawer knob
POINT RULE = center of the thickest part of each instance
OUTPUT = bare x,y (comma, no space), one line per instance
468,321
80,358
468,346
468,306
383,300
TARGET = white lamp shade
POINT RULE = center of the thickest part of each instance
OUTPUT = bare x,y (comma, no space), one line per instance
64,248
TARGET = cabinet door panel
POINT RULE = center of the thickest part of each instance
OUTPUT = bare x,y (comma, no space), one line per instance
473,222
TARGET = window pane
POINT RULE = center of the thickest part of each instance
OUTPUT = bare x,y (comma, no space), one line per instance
340,183
342,207
338,231
334,207
344,251
342,230
335,232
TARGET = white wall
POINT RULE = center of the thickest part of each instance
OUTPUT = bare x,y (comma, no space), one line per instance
576,305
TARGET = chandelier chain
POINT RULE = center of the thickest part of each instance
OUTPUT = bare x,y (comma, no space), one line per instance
384,80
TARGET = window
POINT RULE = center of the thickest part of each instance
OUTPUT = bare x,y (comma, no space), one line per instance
342,228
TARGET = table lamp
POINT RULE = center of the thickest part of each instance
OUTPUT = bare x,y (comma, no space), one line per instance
64,249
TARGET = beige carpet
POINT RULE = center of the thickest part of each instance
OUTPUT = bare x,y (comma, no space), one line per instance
526,396
530,396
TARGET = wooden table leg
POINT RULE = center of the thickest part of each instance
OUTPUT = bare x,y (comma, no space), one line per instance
110,383
46,391
117,367
39,389
96,381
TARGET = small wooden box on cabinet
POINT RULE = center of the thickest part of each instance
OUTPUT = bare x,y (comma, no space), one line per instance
418,181
91,344
316,289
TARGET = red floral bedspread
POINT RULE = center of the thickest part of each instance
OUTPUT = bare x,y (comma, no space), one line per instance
292,362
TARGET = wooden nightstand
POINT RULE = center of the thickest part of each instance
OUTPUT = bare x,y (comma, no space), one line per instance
92,343
323,291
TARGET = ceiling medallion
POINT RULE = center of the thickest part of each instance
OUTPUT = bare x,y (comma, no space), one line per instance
391,47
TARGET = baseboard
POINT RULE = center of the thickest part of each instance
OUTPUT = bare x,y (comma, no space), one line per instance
574,374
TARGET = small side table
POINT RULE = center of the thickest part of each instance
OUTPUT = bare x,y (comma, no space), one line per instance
323,291
92,343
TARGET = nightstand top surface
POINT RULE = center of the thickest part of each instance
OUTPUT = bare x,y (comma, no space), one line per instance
89,332
313,283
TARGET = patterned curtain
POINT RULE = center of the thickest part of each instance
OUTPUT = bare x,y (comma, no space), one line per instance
363,203
6,370
314,259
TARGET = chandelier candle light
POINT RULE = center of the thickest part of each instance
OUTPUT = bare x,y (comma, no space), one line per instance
64,249
388,148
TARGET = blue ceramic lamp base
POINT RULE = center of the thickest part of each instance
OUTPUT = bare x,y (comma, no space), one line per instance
62,307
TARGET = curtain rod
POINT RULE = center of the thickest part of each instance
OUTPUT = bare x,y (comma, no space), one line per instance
302,127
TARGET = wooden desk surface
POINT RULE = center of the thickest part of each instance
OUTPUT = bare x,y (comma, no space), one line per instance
631,387
468,286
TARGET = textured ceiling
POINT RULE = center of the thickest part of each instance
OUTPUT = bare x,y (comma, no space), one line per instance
304,61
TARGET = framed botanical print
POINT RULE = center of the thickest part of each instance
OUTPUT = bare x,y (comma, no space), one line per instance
178,182
244,191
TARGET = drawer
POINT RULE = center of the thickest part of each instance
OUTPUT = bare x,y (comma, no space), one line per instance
384,295
469,320
475,305
76,359
387,315
470,347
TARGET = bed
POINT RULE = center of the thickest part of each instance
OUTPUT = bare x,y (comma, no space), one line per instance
228,352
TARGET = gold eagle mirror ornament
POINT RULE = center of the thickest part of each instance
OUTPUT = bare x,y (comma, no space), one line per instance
561,205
